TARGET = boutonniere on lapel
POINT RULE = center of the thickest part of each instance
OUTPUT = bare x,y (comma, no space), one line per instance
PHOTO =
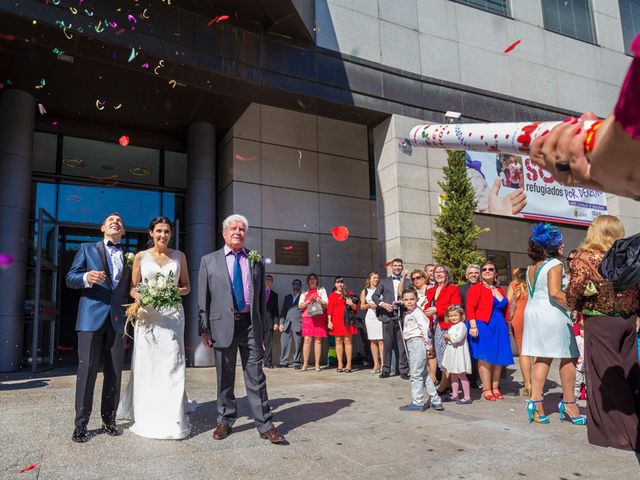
254,257
128,257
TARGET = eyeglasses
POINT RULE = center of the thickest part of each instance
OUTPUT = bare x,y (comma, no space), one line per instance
487,269
413,279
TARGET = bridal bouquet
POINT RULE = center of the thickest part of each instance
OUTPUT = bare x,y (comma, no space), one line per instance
159,292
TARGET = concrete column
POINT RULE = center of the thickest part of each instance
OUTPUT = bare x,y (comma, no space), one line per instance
17,116
407,194
200,227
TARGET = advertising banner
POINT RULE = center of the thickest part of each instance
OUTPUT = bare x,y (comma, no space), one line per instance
512,185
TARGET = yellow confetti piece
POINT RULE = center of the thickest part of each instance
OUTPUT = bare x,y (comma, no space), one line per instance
69,36
100,104
172,83
73,10
144,13
117,107
160,65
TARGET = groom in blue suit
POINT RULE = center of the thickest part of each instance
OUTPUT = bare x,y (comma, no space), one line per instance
101,272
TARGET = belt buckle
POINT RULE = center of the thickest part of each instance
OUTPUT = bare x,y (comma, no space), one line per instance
236,316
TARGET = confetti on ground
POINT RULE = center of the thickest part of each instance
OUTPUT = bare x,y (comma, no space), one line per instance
42,84
220,18
299,159
29,468
512,46
41,109
172,83
340,233
117,107
123,140
5,260
132,55
100,104
145,65
160,65
57,51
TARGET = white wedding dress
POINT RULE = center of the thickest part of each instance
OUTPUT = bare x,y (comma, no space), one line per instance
155,399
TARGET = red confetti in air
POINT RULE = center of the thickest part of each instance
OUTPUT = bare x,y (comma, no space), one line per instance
29,468
388,264
123,140
5,260
7,38
242,158
340,233
218,19
512,46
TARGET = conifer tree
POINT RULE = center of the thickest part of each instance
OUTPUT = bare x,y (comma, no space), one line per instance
456,235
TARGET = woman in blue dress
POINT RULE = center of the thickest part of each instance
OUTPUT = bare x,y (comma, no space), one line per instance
489,342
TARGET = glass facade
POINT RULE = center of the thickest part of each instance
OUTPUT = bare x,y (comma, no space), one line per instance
501,7
572,18
630,18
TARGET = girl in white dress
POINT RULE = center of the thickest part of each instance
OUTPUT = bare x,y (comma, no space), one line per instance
456,359
374,326
155,398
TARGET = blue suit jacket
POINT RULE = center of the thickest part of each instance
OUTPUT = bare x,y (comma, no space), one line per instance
101,301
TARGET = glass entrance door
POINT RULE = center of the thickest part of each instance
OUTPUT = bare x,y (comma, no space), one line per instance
44,305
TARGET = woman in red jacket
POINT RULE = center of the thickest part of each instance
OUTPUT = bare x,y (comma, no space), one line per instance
440,297
487,320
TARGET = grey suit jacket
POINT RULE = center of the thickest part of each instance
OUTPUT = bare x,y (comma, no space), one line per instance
386,293
291,315
215,300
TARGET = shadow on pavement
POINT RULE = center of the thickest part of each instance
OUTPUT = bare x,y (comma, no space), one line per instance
28,384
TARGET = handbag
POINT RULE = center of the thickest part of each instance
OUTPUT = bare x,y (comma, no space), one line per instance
315,309
621,264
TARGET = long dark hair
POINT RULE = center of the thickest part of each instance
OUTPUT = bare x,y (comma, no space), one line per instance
152,225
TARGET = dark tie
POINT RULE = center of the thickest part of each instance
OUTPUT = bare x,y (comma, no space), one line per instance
238,287
267,294
114,245
397,278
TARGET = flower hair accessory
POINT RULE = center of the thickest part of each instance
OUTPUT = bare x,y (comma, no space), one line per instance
546,236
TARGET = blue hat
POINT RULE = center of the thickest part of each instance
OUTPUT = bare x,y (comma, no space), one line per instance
546,236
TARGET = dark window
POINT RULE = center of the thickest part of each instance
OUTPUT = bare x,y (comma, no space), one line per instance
569,17
501,7
630,17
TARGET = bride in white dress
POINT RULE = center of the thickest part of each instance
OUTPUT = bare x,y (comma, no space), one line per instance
155,399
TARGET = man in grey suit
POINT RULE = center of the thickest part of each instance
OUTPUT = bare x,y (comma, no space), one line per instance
291,326
231,310
387,298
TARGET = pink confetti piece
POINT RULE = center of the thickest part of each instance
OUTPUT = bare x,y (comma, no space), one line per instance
512,46
5,260
145,65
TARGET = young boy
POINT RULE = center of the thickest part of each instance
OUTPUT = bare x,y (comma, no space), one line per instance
417,339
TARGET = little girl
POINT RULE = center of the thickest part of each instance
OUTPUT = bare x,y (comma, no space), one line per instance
456,359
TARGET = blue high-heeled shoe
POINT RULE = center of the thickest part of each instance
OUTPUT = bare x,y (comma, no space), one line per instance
579,420
533,413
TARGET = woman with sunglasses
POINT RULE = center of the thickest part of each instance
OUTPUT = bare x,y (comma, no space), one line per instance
339,324
548,331
487,320
438,299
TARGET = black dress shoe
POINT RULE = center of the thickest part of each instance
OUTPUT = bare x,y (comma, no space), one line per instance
80,435
111,429
384,375
405,376
297,367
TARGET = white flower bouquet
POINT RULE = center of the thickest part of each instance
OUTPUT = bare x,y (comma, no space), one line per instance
159,292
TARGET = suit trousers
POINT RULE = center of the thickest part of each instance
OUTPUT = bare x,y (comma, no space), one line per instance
254,378
106,345
285,347
393,342
267,342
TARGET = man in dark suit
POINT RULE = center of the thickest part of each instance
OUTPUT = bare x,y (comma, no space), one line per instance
101,272
473,276
291,327
386,297
271,320
231,311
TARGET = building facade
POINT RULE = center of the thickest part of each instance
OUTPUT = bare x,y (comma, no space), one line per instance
289,112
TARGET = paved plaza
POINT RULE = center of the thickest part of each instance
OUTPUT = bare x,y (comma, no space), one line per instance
339,426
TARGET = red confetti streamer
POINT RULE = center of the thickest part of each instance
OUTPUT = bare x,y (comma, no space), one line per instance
340,233
29,468
123,140
512,46
388,264
218,19
242,158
